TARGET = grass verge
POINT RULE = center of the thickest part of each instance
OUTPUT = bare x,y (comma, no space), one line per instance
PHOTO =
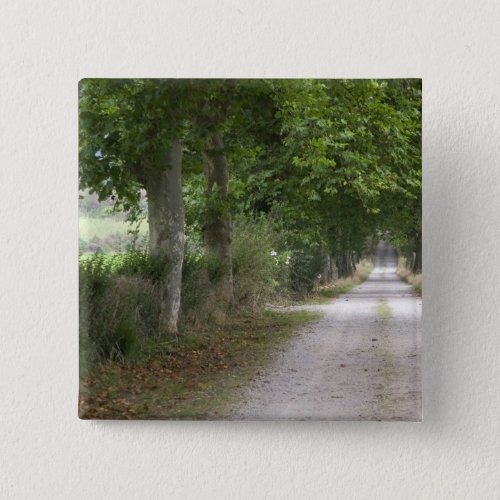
415,280
323,294
198,376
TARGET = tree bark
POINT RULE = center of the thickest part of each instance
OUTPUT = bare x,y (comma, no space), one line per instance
166,232
354,261
417,263
326,266
334,272
217,231
346,264
341,266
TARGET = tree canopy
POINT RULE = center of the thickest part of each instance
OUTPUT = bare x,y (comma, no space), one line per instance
331,162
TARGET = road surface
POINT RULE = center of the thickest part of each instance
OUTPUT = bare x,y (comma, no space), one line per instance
361,361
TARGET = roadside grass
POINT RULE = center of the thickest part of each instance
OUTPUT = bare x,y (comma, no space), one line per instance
196,376
415,280
325,293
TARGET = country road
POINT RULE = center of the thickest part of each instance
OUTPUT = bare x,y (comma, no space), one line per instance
361,361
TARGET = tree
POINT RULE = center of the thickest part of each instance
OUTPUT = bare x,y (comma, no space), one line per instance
130,139
337,159
217,229
209,120
333,163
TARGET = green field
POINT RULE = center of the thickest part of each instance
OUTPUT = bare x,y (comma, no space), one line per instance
90,227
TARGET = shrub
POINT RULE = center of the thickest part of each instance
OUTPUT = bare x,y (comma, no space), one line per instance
304,269
125,338
119,303
260,271
196,287
120,298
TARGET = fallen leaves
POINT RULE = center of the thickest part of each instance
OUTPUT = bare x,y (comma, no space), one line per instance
155,385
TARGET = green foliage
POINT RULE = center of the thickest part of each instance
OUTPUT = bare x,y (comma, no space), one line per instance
131,263
340,160
316,167
119,303
195,285
333,156
125,128
304,270
260,272
125,339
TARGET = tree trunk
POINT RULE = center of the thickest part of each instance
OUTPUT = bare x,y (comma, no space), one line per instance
334,272
347,264
354,261
166,233
417,263
341,266
217,231
326,267
409,260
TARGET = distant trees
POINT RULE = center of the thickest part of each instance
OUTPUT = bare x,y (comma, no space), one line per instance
332,161
338,160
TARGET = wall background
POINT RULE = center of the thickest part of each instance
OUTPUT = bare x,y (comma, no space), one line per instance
46,47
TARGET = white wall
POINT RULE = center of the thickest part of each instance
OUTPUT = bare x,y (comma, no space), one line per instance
45,47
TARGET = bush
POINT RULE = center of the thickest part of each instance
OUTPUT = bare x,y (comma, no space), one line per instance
260,270
119,303
131,263
304,270
196,287
120,293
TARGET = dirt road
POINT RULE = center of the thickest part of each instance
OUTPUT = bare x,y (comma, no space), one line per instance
361,361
